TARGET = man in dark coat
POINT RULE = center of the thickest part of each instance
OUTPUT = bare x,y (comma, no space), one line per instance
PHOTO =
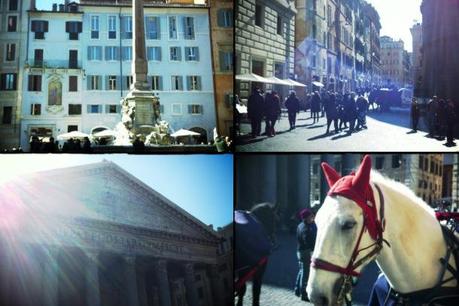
451,118
415,114
315,107
293,106
306,237
350,111
362,108
272,112
255,111
332,113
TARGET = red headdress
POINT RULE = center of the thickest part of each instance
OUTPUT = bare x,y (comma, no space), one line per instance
356,187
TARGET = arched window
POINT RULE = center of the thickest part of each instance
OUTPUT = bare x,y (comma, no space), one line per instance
55,93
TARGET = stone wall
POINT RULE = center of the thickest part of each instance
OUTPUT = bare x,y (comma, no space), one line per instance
264,44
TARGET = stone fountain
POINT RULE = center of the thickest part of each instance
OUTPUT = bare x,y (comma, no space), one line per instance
140,108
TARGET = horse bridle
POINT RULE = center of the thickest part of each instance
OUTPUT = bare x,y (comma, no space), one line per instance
350,270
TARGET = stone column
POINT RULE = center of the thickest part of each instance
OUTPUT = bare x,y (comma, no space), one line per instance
5,273
139,61
216,283
92,280
163,283
141,276
131,280
191,293
50,276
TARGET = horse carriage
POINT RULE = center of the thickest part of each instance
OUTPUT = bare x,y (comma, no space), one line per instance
367,217
385,98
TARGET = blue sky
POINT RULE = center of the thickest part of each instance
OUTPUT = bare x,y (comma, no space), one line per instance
200,184
47,4
397,17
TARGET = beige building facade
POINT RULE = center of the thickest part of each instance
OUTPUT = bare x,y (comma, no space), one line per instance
265,33
221,26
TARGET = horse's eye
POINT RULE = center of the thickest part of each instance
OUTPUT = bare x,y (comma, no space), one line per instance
347,225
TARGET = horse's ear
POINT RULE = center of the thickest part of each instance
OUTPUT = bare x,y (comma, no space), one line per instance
330,174
362,177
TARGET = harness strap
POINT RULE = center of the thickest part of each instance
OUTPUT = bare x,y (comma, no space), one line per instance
241,281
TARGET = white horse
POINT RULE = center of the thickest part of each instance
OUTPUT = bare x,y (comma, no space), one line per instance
362,220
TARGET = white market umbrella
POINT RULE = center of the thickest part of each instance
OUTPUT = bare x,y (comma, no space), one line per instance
274,80
251,77
294,83
74,134
318,84
105,133
183,132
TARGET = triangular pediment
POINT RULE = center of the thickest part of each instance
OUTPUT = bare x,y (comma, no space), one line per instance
104,191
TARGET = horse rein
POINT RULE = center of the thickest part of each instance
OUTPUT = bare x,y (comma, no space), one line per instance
350,270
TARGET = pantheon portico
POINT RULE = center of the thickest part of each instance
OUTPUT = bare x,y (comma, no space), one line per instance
96,235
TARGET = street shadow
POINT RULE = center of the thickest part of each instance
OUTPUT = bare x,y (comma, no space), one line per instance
450,145
325,135
316,126
411,132
341,136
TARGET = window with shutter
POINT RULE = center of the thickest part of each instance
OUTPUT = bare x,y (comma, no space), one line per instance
112,27
188,23
152,27
10,52
172,27
7,115
12,23
94,27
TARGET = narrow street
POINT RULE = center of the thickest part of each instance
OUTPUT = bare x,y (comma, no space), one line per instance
279,278
386,131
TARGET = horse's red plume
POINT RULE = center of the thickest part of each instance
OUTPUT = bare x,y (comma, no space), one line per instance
362,177
330,174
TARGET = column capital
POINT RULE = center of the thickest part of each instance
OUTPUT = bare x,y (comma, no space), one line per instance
92,255
161,265
130,259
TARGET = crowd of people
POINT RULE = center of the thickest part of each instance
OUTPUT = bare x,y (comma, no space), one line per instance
346,111
440,117
37,145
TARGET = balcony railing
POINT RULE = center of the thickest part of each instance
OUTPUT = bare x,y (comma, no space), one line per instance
54,64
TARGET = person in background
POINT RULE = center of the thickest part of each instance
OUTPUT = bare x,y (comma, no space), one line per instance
451,118
332,113
315,107
293,106
415,113
272,112
306,237
255,111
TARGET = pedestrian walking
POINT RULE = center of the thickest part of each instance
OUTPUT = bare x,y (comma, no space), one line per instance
331,113
362,109
350,110
306,237
293,107
255,111
451,117
341,113
415,114
315,107
272,112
